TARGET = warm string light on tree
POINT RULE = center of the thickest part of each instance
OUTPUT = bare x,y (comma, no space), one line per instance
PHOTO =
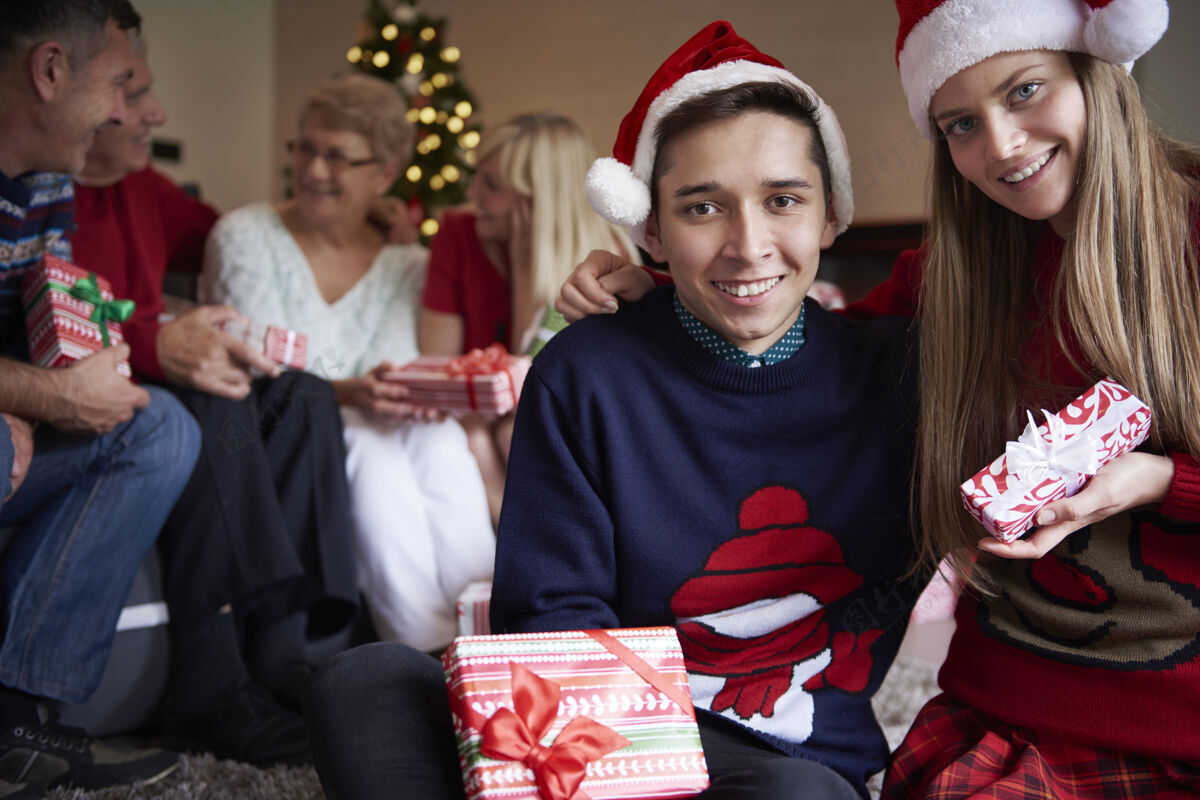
404,46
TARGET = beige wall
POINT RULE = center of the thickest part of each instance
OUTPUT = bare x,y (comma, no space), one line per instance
1170,72
233,74
590,60
214,73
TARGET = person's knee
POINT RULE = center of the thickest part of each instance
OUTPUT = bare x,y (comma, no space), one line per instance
357,677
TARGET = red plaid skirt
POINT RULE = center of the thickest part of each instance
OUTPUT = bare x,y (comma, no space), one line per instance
953,753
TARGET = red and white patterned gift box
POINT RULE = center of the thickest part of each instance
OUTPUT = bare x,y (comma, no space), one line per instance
1055,459
285,347
62,325
574,714
473,607
486,381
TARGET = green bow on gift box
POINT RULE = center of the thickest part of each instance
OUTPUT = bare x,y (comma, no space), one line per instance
104,311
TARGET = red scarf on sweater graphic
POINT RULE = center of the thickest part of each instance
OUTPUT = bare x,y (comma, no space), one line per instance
753,623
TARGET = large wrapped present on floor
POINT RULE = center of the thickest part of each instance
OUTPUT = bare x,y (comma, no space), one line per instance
574,714
1055,459
473,608
484,380
283,346
70,313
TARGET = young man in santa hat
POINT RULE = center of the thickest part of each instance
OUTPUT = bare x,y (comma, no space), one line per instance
724,456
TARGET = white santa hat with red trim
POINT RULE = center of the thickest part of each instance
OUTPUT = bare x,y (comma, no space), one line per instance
939,39
715,58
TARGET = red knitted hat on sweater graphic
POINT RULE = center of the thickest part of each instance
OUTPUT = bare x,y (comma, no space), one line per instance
715,58
939,38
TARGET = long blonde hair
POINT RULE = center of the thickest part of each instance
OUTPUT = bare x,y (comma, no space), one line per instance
546,156
1126,298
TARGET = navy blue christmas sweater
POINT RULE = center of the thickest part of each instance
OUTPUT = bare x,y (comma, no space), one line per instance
763,512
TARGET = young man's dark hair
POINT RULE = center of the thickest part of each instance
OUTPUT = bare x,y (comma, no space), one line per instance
79,24
770,97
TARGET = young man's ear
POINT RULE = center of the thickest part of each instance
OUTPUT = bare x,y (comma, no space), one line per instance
49,71
829,232
654,242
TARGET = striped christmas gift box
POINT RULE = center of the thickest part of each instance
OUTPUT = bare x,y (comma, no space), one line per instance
473,607
573,715
283,346
70,314
484,380
1056,459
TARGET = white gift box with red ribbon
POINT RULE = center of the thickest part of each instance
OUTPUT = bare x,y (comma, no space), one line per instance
482,381
1056,459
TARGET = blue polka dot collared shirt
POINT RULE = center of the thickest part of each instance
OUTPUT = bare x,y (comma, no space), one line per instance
785,348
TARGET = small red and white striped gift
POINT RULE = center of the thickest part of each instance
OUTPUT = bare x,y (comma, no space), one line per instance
483,381
574,714
1055,459
70,314
473,607
285,347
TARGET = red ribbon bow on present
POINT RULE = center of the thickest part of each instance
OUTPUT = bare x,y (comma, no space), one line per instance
559,768
485,361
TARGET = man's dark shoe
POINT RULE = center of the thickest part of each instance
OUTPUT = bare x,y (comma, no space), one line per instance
245,724
47,754
21,791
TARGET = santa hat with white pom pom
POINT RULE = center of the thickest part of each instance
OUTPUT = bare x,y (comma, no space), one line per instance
939,39
715,58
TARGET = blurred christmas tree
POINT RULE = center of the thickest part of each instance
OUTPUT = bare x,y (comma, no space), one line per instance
402,45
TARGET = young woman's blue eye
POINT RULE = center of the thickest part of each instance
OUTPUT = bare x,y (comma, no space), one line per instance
960,126
1026,90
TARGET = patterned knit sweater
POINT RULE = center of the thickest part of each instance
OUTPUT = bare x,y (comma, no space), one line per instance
1099,640
35,216
761,511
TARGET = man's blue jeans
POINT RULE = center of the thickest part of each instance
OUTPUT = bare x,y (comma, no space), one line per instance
89,510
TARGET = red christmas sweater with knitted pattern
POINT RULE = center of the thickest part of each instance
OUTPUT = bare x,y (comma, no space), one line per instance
1099,640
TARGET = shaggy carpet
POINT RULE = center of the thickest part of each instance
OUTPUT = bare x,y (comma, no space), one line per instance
908,685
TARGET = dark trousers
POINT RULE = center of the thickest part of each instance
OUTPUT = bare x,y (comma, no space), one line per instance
379,722
264,522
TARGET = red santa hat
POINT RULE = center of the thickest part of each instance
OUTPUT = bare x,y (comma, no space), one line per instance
939,39
715,58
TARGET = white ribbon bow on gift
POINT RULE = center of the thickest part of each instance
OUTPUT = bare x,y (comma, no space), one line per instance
1031,459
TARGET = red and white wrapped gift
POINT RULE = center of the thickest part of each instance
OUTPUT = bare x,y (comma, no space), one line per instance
484,380
1055,459
574,715
473,608
283,346
70,313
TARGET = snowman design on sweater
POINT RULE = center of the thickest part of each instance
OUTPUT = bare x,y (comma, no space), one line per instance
755,621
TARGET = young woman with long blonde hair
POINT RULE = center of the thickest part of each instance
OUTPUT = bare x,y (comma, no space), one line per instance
494,272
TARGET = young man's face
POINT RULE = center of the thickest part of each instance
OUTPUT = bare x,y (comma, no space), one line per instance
742,220
125,148
94,97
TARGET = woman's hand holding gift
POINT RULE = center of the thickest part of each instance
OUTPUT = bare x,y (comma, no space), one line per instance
382,400
1134,479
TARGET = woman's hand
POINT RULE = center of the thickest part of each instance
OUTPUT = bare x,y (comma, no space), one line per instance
595,285
1128,481
380,400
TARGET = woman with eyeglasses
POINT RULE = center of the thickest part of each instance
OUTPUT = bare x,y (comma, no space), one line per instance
316,263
